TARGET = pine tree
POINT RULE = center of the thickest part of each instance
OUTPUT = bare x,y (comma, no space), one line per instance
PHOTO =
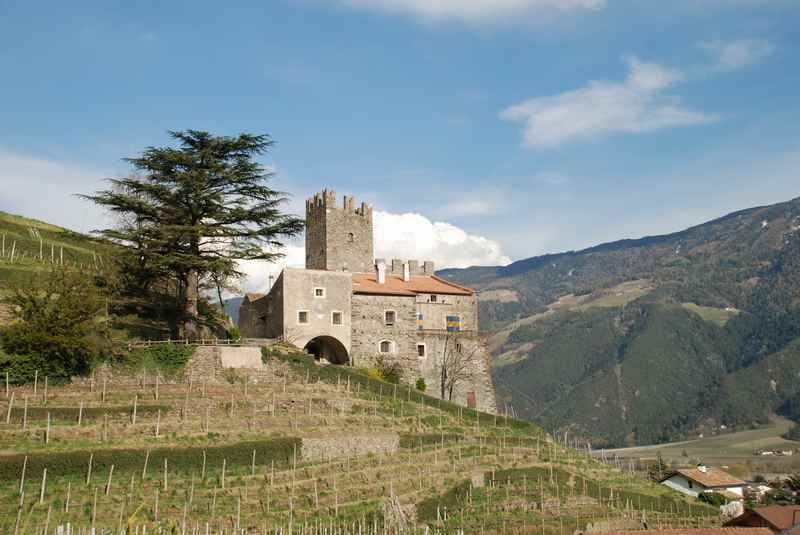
191,211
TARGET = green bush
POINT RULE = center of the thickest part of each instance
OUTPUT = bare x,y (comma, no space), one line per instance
53,333
390,371
169,359
234,333
421,386
712,498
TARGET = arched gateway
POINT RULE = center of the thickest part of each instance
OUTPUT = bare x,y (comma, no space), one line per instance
329,348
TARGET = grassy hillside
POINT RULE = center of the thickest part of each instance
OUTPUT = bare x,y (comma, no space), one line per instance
241,454
652,339
28,246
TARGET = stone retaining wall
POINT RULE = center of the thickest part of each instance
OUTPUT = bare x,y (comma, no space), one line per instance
321,449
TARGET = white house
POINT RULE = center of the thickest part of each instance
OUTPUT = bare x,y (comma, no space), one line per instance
693,481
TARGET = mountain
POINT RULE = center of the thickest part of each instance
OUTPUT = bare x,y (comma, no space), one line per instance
653,339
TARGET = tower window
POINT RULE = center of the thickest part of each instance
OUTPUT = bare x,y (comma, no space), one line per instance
386,346
336,318
351,237
302,316
319,292
389,317
421,351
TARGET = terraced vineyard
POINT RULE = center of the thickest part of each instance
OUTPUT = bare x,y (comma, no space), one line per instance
297,447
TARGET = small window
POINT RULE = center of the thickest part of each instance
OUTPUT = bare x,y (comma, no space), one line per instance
433,298
421,351
336,318
459,348
691,485
389,317
319,292
351,237
386,346
302,316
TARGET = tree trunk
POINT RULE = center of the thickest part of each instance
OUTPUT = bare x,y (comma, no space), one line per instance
190,306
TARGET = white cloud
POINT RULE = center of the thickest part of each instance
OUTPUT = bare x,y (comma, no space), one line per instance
473,11
45,189
406,236
636,105
732,55
415,237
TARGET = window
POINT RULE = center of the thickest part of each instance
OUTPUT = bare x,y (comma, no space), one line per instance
386,346
433,298
691,485
420,324
302,316
351,237
421,351
389,317
336,318
459,348
319,292
453,323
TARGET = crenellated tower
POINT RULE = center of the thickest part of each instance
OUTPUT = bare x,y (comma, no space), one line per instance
338,238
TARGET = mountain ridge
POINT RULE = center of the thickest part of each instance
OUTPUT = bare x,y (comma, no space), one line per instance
722,293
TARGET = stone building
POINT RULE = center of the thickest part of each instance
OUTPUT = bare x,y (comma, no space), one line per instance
348,308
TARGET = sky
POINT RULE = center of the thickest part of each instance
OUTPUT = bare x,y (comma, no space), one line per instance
482,131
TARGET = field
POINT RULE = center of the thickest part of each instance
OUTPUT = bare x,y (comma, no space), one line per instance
735,450
28,246
305,447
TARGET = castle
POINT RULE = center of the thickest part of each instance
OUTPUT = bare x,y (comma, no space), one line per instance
346,307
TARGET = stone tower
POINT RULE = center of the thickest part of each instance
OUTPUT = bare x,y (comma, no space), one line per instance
338,239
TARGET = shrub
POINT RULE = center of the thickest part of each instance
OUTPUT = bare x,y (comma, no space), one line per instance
55,321
232,375
391,372
421,386
234,334
712,498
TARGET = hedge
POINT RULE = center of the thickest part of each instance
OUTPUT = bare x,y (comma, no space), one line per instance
413,440
184,460
70,414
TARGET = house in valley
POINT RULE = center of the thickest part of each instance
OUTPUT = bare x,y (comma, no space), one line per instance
694,481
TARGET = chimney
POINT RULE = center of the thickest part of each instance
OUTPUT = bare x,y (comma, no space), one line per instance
406,273
380,271
428,267
702,468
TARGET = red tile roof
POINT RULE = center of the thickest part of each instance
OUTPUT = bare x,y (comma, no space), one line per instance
712,477
778,516
367,283
691,531
253,296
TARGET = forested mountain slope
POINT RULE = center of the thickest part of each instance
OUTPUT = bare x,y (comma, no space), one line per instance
640,341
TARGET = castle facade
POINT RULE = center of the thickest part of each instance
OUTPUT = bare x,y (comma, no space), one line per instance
348,308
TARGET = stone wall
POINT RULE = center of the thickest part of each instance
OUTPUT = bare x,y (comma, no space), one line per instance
369,329
434,314
321,449
472,349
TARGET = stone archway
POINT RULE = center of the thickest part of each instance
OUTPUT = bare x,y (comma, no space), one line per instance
329,348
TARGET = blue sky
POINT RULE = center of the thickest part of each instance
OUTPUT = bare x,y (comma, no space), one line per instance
490,130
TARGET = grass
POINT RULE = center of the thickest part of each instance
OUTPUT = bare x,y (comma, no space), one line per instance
718,316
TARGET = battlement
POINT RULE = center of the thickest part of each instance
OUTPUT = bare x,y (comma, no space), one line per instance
326,200
415,267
